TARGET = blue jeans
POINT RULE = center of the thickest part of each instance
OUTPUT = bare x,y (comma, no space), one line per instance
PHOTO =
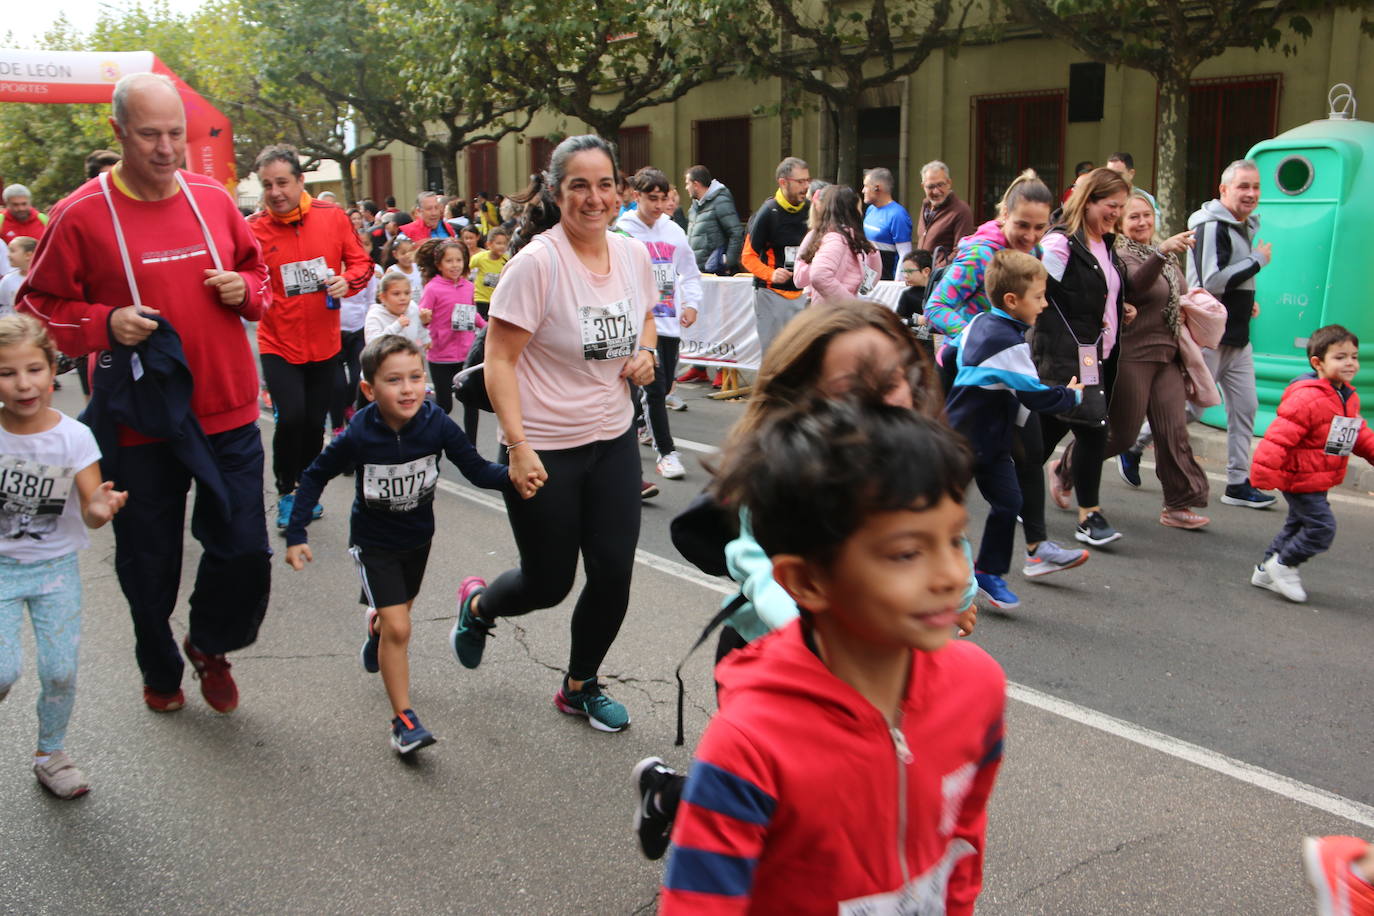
52,591
1309,529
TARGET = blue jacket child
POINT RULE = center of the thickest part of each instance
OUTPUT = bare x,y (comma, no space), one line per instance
397,472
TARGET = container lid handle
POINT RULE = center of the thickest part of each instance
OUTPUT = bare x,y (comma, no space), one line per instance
1341,100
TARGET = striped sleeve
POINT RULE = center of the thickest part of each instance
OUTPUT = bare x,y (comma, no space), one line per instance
957,296
721,827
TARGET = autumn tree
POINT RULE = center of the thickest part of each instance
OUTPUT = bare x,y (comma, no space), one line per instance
837,51
1169,39
599,61
393,65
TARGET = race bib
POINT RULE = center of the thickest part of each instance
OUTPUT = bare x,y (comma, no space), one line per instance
789,256
870,280
1344,431
665,275
606,330
489,279
464,318
301,277
400,487
1087,365
32,496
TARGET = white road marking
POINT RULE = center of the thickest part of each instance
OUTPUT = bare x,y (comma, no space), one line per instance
1283,786
695,446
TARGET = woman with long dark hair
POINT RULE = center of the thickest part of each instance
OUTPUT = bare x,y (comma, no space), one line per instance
570,323
837,261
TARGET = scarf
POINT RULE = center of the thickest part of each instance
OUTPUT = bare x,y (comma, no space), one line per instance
296,215
1172,276
786,204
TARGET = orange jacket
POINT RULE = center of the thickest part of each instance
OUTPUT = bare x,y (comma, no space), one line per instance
298,326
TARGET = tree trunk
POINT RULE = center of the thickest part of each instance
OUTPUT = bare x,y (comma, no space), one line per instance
788,98
350,185
1172,136
847,143
448,163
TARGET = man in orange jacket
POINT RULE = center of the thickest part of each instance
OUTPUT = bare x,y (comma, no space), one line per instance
315,259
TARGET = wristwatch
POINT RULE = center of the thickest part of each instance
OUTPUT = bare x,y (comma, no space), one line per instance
652,352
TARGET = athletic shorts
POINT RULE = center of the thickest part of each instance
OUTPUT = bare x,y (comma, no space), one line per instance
390,577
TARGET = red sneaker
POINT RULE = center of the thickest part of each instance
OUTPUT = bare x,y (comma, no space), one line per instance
716,382
163,702
694,374
216,683
1340,892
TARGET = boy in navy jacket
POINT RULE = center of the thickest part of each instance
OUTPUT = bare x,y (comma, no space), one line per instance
994,391
394,443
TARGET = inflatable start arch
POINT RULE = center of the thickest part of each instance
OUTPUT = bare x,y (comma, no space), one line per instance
66,77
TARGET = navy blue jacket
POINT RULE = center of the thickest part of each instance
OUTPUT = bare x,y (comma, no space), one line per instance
147,387
997,384
396,474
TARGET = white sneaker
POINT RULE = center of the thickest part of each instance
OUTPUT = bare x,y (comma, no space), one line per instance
670,466
1258,576
646,438
1284,580
673,402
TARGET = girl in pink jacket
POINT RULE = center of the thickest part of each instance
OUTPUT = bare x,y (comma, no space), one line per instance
449,296
837,261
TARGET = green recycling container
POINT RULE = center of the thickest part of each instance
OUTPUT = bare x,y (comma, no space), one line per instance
1317,208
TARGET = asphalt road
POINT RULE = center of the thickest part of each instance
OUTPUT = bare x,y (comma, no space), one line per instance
1173,734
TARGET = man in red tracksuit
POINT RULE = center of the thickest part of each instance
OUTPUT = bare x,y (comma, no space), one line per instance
150,238
314,258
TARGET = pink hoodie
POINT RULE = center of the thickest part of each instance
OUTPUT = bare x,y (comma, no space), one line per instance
834,272
442,295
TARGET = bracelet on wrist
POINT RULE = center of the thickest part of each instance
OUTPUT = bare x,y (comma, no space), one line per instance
514,445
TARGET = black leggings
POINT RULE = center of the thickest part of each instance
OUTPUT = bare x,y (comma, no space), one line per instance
654,394
1089,445
350,349
590,505
441,374
301,393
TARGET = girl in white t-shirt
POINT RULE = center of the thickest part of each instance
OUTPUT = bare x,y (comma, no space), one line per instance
50,492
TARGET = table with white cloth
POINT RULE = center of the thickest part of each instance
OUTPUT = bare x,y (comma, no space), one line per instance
725,333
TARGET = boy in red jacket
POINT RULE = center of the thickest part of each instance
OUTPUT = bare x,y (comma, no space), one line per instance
850,765
1305,452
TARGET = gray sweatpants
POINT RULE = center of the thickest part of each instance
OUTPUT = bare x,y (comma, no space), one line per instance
1234,371
772,312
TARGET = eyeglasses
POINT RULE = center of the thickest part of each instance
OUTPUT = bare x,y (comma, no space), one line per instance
911,270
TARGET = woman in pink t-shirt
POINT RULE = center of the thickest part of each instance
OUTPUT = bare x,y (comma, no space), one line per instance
570,324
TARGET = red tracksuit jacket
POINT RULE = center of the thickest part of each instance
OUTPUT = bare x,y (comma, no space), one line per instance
802,800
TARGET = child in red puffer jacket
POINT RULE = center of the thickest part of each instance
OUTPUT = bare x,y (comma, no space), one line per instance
1305,453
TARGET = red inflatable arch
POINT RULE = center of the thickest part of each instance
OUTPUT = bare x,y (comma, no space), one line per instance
64,77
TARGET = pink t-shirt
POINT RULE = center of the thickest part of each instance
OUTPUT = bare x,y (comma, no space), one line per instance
442,296
1104,259
566,398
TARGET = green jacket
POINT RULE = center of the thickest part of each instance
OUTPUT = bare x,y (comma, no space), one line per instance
712,223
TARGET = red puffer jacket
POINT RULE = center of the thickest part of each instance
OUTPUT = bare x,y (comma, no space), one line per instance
1292,456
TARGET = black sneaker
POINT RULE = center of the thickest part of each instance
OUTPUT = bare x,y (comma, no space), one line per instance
1242,494
1096,531
652,825
368,654
1128,466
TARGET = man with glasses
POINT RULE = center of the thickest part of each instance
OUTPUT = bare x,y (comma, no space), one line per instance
775,235
886,222
945,219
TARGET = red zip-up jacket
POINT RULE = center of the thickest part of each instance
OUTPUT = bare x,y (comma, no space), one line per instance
1292,455
77,280
297,326
802,799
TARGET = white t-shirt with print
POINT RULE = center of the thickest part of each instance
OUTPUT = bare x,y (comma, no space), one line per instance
40,509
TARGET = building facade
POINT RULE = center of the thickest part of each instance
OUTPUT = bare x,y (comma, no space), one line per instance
988,111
